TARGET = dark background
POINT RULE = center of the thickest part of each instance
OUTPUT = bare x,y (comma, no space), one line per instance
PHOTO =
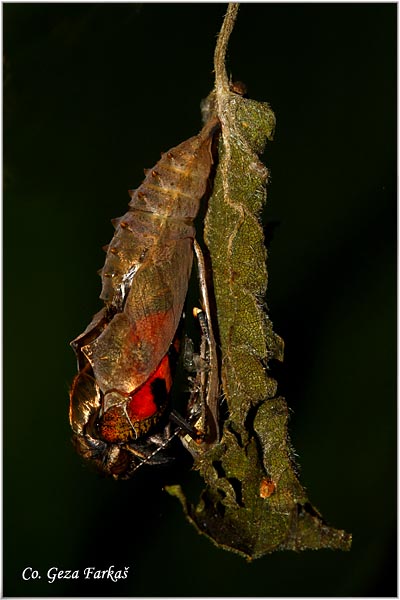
92,94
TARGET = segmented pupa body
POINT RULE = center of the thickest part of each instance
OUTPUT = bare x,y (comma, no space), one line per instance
123,353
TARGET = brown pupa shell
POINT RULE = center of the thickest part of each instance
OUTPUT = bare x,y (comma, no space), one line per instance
147,269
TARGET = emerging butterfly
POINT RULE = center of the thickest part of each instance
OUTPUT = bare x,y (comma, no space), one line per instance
126,355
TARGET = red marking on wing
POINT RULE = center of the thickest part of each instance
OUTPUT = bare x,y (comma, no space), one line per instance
143,403
144,406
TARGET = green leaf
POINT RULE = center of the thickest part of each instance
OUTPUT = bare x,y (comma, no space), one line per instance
253,502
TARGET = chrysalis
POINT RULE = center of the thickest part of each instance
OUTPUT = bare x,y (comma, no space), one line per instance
125,354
